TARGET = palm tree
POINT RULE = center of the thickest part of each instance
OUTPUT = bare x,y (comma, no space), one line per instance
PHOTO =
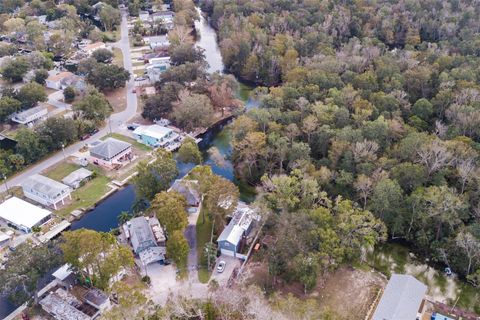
123,217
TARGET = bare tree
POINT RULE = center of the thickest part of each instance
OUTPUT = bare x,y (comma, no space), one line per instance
365,151
364,187
465,169
470,245
434,156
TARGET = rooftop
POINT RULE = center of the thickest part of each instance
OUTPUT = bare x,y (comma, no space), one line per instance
141,234
77,175
241,221
22,213
45,185
188,189
154,131
63,272
401,299
109,148
30,112
54,303
59,76
96,296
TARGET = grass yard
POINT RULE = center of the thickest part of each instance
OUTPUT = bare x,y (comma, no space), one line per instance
203,236
135,143
117,57
61,170
87,195
139,73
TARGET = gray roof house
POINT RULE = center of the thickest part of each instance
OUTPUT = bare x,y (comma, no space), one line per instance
401,299
76,178
188,189
229,241
111,153
45,190
147,238
32,115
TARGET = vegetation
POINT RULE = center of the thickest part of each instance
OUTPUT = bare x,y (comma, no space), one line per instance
171,210
189,152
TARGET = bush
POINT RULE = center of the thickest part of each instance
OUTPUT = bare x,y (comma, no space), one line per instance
146,279
69,94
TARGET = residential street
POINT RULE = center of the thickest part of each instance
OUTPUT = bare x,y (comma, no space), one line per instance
117,120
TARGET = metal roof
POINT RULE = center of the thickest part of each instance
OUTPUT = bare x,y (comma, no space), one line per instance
401,299
155,131
45,185
109,148
77,175
141,235
22,213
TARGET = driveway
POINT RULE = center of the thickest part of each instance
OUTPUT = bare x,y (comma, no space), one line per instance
116,121
222,278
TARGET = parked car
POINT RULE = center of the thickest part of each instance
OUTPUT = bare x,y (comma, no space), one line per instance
221,266
133,126
85,137
140,79
134,90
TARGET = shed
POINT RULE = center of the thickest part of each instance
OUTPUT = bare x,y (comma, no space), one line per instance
76,178
401,299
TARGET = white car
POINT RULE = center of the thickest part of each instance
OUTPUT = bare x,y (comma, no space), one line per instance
221,266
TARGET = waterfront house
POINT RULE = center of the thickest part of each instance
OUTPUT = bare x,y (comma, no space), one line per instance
77,177
45,190
189,190
145,235
32,115
22,215
111,153
402,299
233,238
155,135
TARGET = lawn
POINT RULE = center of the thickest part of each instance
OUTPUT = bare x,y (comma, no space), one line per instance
135,143
87,195
117,57
61,170
203,236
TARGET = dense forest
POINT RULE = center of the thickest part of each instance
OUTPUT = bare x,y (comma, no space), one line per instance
369,110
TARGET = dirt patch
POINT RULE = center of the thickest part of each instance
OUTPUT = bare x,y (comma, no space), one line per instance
117,99
348,292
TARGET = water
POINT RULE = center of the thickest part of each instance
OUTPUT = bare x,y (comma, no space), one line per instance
207,40
104,216
6,307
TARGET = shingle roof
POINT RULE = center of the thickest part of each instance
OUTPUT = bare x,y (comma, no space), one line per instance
141,235
187,189
59,76
109,148
44,185
401,299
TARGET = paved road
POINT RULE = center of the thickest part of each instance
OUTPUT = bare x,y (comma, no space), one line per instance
116,122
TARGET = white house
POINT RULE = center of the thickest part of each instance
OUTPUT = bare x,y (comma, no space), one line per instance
76,178
45,190
32,115
23,215
144,16
157,42
156,67
55,81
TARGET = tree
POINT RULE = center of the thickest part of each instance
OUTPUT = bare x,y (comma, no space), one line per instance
8,106
156,176
94,107
123,217
171,210
192,111
108,77
55,132
110,17
30,94
177,248
210,252
364,187
29,145
306,270
69,94
96,255
40,76
24,268
189,152
13,70
387,202
470,245
103,55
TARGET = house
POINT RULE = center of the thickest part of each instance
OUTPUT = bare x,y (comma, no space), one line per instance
157,42
166,17
233,237
90,48
155,135
45,190
188,189
149,91
32,115
54,81
22,215
144,16
98,299
147,239
42,19
111,153
65,277
401,299
75,179
61,305
156,67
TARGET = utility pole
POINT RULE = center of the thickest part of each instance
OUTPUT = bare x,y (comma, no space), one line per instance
6,185
63,151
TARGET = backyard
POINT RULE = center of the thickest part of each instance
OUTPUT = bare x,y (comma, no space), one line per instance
204,229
